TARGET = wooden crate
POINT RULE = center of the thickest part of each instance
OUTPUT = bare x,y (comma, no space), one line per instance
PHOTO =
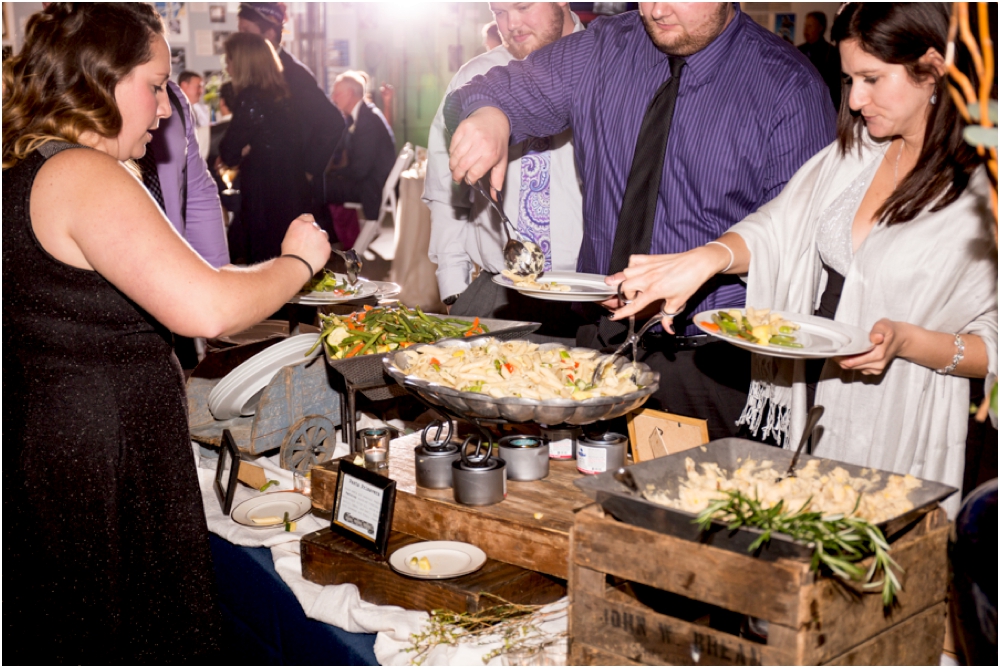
328,558
640,597
508,531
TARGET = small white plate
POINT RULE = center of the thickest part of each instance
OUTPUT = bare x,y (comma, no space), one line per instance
275,504
820,337
583,287
448,559
387,288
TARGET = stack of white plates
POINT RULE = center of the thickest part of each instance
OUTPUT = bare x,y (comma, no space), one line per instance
387,289
239,391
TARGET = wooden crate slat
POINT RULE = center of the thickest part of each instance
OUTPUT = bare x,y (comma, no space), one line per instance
639,634
915,642
923,557
727,579
582,654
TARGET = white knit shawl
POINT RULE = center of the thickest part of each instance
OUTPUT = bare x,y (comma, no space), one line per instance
938,271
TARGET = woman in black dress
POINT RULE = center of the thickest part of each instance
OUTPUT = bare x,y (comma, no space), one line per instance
105,543
263,139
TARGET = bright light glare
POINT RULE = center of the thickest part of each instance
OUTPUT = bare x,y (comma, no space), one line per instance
407,11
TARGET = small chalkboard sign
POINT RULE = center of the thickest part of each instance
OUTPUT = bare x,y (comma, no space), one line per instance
227,471
363,506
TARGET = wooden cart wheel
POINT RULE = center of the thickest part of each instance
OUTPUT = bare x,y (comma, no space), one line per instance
309,442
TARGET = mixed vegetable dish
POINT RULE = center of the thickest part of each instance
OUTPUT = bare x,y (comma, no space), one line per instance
386,328
758,326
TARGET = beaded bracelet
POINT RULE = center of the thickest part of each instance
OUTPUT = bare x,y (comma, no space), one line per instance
959,354
732,255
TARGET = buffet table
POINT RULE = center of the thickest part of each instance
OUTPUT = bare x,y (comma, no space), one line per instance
251,595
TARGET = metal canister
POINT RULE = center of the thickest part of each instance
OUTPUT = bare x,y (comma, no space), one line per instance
479,479
435,455
601,452
562,442
527,457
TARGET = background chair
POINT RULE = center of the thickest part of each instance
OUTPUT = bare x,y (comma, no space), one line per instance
369,228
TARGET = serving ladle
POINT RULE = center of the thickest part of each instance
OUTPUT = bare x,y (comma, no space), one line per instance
352,262
519,258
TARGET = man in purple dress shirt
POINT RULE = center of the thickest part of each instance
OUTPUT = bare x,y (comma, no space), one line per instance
190,196
750,111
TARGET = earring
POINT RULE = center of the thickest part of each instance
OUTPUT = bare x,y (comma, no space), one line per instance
934,98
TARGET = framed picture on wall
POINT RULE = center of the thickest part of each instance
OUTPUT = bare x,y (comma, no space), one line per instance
784,27
217,13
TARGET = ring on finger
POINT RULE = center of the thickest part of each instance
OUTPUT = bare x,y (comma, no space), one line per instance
672,315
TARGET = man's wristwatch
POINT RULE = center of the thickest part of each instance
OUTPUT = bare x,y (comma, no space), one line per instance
448,301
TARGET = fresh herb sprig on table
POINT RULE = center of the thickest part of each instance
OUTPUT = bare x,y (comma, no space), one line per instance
514,624
839,541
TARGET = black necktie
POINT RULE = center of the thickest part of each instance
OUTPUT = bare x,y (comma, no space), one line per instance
150,179
634,234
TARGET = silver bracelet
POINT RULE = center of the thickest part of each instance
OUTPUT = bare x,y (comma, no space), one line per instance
959,354
732,255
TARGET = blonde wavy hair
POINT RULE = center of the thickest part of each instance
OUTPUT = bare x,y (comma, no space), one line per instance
252,61
62,83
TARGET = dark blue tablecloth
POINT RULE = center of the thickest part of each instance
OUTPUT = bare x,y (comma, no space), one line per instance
265,624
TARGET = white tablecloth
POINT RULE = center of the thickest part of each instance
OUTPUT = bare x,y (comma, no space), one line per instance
339,605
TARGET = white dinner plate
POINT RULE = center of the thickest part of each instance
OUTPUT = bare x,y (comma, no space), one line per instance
583,287
448,559
273,505
387,288
363,289
820,337
239,391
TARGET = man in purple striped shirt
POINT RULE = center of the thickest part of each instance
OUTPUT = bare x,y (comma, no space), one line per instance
750,111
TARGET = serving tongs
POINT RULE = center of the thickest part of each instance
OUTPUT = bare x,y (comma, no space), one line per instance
352,263
815,413
632,340
517,257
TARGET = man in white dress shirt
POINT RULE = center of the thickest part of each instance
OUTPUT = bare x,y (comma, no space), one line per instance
541,192
194,88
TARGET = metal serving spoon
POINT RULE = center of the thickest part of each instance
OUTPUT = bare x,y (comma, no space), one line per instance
520,258
352,262
815,413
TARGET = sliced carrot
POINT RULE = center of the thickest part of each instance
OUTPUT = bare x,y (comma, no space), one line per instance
710,326
355,350
367,307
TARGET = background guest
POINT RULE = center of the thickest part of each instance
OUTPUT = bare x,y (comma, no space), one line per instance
887,229
491,36
264,141
542,191
102,511
366,154
824,56
320,124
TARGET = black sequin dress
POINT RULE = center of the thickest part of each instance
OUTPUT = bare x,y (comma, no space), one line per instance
106,552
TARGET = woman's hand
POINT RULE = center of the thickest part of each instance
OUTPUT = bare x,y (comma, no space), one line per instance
670,278
308,240
889,338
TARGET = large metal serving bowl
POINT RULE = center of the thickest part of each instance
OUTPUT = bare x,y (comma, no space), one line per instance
514,409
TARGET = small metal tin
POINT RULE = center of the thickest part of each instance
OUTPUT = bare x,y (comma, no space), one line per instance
435,455
600,453
480,479
527,457
558,447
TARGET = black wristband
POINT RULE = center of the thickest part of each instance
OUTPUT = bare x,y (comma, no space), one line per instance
448,301
303,261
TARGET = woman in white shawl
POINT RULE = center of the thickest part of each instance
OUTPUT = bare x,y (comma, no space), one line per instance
895,216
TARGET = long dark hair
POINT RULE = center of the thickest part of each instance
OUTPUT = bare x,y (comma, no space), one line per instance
62,83
900,33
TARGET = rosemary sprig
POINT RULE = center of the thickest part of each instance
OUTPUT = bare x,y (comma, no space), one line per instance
839,541
514,624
